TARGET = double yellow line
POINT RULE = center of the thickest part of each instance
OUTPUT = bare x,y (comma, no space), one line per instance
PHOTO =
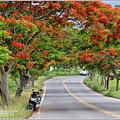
89,105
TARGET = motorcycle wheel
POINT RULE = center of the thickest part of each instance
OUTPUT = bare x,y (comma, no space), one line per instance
31,106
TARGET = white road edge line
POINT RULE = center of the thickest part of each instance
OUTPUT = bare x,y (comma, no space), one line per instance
43,93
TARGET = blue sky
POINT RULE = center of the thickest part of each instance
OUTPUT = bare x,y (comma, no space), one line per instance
112,2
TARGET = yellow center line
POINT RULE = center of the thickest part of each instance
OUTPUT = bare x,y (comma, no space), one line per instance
89,105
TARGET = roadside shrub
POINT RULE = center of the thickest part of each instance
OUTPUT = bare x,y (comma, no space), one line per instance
109,93
96,86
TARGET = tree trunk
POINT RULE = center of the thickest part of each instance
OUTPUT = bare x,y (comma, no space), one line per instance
108,79
102,81
0,88
117,84
30,83
24,78
93,74
91,77
115,70
4,87
16,82
98,77
33,83
105,82
57,70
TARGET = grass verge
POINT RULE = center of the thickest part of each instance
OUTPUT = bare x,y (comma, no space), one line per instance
96,86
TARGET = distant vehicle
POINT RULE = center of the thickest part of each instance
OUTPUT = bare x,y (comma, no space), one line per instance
84,72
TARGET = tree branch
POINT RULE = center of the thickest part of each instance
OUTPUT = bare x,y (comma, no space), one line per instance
2,69
46,14
10,66
32,38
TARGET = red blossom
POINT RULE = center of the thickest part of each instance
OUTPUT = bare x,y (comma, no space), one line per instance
103,52
73,11
84,12
30,64
95,43
87,59
18,36
18,45
14,14
103,19
27,56
1,18
119,63
90,8
13,20
27,18
118,26
42,55
112,51
70,59
35,42
44,52
118,35
4,5
57,5
22,55
7,20
29,26
30,47
7,32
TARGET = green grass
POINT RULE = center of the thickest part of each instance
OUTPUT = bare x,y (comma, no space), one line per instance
113,84
96,86
11,86
17,107
64,72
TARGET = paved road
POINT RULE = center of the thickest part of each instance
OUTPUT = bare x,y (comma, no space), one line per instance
68,98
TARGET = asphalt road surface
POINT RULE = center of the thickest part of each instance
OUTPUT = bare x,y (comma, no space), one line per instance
68,98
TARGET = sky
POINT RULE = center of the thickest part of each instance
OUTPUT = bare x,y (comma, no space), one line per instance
112,2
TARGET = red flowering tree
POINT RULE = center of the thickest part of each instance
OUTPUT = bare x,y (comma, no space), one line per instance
103,30
16,39
23,22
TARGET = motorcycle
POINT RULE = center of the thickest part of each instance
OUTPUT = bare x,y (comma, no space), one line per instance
34,100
